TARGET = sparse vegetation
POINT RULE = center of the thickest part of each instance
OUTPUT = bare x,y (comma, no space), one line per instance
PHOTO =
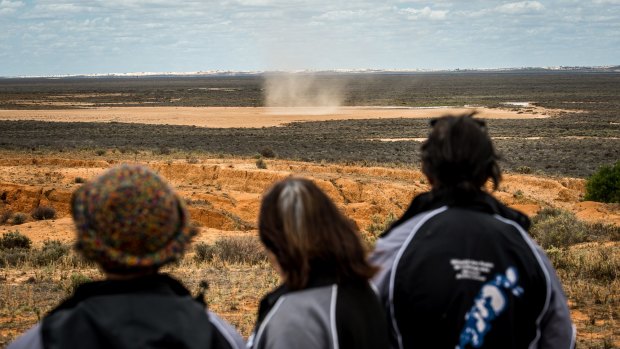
164,151
267,152
604,185
523,169
51,252
14,239
555,228
518,194
80,180
76,280
6,216
239,249
100,152
44,212
261,164
378,225
19,218
203,252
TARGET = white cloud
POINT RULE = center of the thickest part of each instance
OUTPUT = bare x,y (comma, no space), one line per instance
8,7
607,2
247,34
426,12
520,7
341,15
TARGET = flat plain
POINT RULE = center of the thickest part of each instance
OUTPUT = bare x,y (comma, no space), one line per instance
557,130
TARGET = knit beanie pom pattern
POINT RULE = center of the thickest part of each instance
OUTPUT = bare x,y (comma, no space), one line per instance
129,218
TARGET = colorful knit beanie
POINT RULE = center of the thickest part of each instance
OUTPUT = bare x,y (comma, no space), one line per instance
130,219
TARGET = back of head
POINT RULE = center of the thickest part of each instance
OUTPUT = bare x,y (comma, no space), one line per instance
129,220
303,228
459,154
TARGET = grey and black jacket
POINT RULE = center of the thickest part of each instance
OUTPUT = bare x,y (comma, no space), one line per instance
325,315
149,312
460,271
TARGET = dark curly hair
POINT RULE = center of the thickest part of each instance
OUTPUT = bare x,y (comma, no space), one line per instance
459,154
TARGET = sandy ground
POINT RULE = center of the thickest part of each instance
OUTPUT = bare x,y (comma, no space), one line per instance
224,194
247,117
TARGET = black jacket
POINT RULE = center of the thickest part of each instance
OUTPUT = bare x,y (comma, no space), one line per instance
460,271
149,312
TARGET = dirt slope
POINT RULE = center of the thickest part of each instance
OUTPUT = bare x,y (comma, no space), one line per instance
224,194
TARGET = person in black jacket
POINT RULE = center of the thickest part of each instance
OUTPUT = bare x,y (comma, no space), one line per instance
131,223
326,300
458,269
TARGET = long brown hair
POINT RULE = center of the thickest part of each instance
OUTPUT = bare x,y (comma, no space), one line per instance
303,228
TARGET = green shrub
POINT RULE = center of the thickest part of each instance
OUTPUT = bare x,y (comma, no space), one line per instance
76,280
19,218
100,152
378,225
558,228
13,257
203,252
523,169
238,249
6,216
604,185
44,212
267,152
14,239
600,262
52,251
164,151
260,163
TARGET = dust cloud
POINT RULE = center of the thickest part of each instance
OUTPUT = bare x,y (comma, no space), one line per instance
303,93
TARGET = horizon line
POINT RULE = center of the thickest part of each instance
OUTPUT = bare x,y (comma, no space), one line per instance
612,68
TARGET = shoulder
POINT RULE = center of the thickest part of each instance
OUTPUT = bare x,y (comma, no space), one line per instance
225,336
309,305
299,319
31,339
389,248
398,236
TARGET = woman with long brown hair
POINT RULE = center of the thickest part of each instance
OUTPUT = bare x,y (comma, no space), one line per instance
325,300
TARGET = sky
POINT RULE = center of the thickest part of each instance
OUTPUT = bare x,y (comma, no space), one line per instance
120,36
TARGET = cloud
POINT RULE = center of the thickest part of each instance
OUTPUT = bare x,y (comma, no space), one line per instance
520,7
425,13
341,15
9,7
322,34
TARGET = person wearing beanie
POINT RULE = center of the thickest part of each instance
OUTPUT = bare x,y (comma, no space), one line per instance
130,223
458,269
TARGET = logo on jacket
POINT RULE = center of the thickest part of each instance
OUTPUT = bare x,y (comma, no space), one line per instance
468,269
488,304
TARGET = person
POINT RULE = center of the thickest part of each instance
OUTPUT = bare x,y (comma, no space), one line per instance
458,269
326,300
130,223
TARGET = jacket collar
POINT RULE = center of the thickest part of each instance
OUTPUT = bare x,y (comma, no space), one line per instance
152,284
479,201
